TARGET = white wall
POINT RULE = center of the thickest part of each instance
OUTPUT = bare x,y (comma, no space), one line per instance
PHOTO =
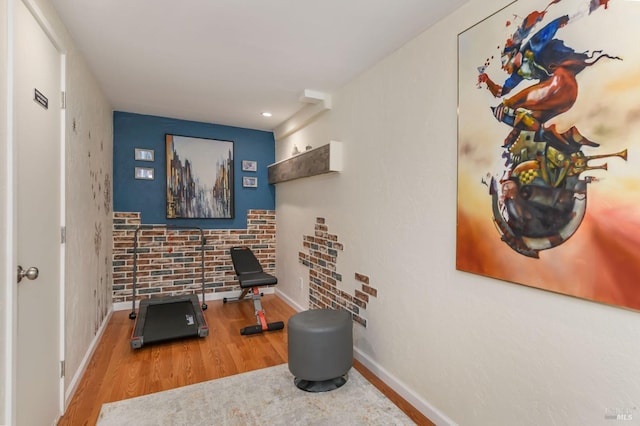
463,348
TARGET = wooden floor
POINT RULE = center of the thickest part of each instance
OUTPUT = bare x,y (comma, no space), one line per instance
117,372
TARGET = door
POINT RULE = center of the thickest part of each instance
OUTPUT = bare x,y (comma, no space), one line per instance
37,121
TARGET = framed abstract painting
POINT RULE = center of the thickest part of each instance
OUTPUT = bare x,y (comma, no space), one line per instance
199,178
549,147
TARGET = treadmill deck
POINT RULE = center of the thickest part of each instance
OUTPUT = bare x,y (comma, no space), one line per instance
168,318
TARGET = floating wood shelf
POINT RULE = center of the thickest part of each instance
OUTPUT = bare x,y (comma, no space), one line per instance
316,161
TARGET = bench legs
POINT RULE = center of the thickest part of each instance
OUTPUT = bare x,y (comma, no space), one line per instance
262,324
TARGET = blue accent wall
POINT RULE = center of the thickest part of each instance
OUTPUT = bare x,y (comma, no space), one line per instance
148,197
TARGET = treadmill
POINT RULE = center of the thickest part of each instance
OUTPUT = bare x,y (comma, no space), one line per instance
170,317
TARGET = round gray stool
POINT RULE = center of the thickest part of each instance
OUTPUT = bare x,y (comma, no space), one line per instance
320,348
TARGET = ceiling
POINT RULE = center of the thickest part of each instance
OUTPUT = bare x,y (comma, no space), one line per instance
226,61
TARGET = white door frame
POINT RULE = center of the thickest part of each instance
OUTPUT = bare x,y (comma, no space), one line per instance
10,226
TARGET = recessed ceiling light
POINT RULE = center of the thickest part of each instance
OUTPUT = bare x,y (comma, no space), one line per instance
266,114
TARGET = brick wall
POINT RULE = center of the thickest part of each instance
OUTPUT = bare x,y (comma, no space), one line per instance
169,261
323,249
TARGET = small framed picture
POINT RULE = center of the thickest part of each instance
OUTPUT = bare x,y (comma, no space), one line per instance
249,182
144,154
249,166
145,173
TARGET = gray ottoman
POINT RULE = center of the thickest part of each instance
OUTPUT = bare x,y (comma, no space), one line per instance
320,348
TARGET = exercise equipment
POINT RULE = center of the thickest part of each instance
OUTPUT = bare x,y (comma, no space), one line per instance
168,317
251,276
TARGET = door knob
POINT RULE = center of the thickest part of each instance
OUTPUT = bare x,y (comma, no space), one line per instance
30,274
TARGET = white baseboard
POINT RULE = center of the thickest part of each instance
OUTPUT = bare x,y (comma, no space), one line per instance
75,380
432,413
290,302
126,306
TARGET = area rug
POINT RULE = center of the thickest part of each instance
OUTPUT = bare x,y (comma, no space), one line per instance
260,397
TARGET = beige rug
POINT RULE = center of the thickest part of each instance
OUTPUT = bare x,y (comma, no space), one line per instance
261,397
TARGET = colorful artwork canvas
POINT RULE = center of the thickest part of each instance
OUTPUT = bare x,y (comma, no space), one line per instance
199,178
548,148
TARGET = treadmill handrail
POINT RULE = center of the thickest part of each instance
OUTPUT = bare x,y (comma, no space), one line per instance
135,256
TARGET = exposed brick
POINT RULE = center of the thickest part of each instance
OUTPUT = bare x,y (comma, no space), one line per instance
169,260
323,249
346,296
126,215
362,278
370,290
362,296
360,320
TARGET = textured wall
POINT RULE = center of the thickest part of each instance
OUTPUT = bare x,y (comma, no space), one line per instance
462,347
89,165
169,261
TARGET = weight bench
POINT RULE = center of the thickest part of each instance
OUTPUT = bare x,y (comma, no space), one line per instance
251,277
